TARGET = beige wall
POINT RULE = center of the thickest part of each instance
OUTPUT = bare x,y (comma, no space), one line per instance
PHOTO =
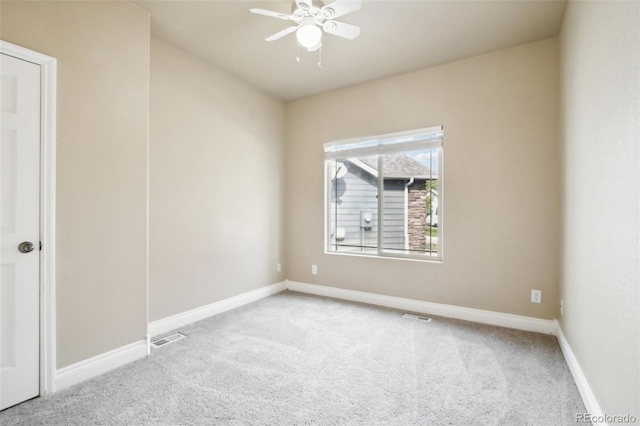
600,42
217,176
103,77
501,174
216,179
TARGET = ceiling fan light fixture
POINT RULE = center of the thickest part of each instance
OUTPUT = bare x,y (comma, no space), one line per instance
311,19
316,47
309,36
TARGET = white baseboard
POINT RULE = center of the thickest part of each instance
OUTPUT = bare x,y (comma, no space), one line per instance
92,367
469,314
450,311
588,397
100,364
180,320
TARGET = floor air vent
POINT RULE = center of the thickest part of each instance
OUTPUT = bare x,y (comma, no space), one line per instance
416,317
166,340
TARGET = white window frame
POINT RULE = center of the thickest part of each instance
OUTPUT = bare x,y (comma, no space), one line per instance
411,140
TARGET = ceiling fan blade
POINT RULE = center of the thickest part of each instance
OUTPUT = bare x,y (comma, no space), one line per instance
304,4
341,29
272,14
281,33
340,7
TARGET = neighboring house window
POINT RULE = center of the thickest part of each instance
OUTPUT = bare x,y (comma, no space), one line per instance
396,177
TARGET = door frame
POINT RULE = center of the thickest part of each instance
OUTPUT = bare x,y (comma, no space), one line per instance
48,76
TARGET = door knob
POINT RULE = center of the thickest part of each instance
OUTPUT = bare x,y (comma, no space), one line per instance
25,247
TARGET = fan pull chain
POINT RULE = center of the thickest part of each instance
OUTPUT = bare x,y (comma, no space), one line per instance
297,52
320,58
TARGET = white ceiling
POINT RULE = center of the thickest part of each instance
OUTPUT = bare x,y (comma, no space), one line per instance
396,37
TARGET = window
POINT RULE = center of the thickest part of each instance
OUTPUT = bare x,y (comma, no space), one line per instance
384,195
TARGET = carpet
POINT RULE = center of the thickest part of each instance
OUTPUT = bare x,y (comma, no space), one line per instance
299,359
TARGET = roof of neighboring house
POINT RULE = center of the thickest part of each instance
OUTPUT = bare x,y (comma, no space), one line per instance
397,166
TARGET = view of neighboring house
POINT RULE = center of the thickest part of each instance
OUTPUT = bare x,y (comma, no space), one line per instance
410,205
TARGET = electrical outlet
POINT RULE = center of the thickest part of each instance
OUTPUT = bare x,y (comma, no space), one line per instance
561,307
536,296
279,267
314,269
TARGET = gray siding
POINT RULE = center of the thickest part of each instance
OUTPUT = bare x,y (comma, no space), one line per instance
357,192
394,217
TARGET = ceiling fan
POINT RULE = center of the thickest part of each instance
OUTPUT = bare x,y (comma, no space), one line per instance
312,17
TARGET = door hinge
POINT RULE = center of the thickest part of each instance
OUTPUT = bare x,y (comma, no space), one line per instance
40,245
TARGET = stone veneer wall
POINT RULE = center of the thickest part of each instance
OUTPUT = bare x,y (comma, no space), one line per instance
417,215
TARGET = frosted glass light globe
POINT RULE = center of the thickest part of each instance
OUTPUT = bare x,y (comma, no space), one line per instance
309,36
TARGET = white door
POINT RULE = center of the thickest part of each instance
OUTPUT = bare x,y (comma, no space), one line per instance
20,222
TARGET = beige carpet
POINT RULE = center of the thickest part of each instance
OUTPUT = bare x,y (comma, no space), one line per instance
298,359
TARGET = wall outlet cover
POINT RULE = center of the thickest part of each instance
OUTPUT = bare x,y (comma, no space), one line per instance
536,296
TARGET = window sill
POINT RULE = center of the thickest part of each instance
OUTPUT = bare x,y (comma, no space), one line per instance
388,257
